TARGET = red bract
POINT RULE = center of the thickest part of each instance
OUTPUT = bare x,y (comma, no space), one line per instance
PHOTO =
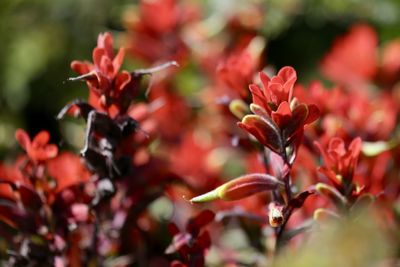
276,90
352,59
278,116
38,149
192,243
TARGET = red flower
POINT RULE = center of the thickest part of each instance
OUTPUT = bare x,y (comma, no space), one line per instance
353,57
38,149
104,81
278,116
276,90
340,162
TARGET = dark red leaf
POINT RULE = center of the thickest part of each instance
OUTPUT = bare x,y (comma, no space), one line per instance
195,224
29,198
264,130
173,229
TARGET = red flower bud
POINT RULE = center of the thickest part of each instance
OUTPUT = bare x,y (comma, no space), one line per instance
241,187
275,214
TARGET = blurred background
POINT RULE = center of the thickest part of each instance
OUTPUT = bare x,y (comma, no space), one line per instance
39,39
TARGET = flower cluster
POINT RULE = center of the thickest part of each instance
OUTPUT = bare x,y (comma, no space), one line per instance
278,119
273,154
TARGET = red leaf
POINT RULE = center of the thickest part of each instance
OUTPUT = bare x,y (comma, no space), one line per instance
296,122
203,241
173,229
30,198
195,224
264,130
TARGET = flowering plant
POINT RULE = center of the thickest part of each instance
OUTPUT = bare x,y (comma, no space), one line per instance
210,154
